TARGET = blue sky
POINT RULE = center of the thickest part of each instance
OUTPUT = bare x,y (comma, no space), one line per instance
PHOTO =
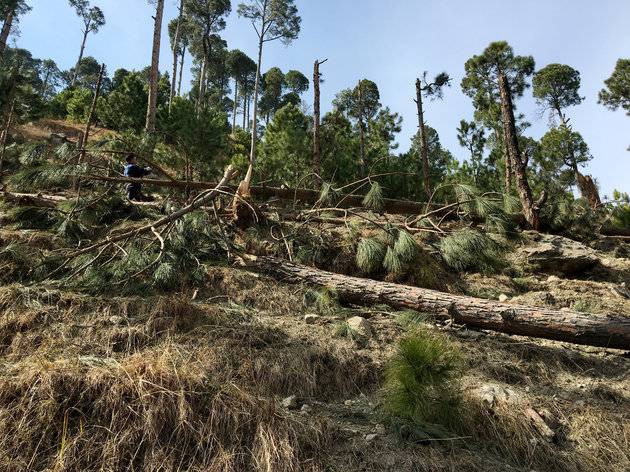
392,42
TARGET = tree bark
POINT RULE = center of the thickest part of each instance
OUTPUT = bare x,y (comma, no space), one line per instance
155,68
424,150
6,30
175,55
610,331
518,164
81,51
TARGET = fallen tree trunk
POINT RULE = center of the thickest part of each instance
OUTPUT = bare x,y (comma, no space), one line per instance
32,200
397,207
610,331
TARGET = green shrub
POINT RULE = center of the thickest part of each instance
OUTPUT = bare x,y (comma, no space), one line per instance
421,379
468,249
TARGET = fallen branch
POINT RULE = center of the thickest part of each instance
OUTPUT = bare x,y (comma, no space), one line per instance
200,201
611,331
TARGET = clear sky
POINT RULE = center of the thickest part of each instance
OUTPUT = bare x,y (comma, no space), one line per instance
391,42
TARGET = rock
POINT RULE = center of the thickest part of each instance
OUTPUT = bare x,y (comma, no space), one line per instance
290,403
348,403
116,320
558,254
361,326
311,319
553,279
306,409
503,298
371,437
492,395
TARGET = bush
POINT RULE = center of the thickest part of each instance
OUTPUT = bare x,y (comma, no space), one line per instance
468,249
420,377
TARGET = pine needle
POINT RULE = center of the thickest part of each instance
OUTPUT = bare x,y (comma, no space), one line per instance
374,198
370,255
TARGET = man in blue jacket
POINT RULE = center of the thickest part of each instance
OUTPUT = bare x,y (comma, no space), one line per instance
134,171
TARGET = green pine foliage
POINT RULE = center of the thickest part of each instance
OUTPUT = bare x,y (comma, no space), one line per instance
471,250
373,200
421,380
370,255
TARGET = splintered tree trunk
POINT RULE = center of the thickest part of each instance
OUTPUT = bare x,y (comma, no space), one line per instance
317,153
424,150
518,164
611,331
175,55
587,188
81,51
6,30
155,68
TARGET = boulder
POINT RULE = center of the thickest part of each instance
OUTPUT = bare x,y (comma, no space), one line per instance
361,326
311,319
556,254
57,138
503,298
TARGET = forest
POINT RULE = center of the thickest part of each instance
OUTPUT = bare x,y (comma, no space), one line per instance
217,276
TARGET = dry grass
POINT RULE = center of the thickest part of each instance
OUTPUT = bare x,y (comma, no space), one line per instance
144,413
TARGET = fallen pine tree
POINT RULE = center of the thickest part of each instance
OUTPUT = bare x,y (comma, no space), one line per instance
609,331
397,207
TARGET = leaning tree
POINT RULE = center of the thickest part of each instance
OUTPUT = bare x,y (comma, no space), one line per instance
481,83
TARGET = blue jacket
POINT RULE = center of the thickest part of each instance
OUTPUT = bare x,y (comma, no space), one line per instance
134,171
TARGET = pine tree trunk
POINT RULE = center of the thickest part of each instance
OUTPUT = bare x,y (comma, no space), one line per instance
610,331
81,51
252,157
6,30
362,146
245,105
518,164
181,72
202,86
235,109
175,55
424,149
316,120
155,68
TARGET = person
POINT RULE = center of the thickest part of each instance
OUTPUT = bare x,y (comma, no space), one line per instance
134,171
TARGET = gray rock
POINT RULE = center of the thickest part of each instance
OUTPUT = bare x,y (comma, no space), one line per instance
361,326
503,298
371,437
553,279
306,409
492,395
311,319
557,254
